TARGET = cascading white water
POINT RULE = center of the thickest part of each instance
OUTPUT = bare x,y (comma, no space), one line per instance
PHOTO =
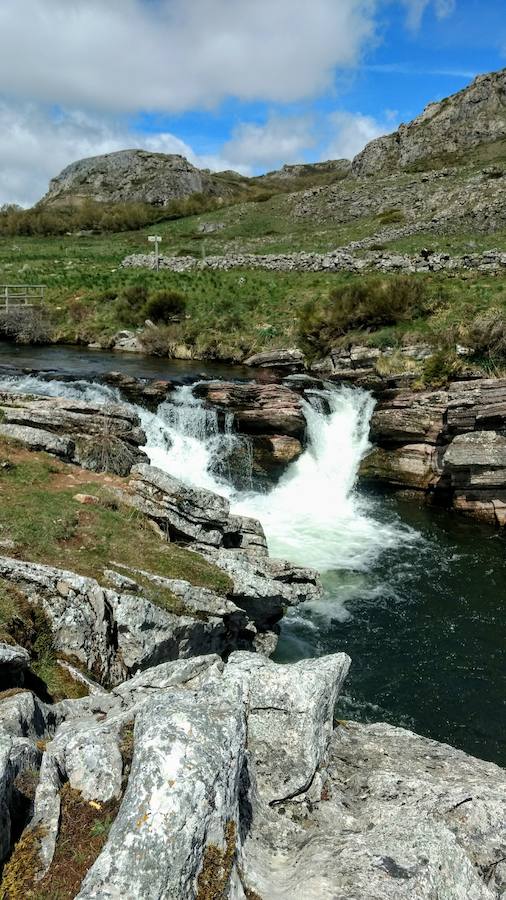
312,516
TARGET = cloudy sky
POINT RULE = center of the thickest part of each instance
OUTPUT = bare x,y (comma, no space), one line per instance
243,84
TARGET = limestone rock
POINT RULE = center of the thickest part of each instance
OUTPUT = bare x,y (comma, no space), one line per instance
131,176
188,748
290,718
116,634
185,513
101,437
449,128
264,587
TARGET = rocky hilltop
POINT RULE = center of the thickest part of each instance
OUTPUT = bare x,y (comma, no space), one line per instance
132,176
445,131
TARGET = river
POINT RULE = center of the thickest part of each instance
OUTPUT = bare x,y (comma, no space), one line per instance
414,594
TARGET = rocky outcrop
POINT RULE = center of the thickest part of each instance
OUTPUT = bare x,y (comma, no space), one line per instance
101,437
265,587
132,176
278,360
230,781
190,514
446,130
116,632
257,408
448,442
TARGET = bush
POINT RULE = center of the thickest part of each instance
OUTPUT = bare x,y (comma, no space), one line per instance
441,367
391,217
131,302
160,340
487,334
164,306
135,295
368,304
26,326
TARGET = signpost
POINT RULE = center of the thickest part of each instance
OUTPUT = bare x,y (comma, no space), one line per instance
155,239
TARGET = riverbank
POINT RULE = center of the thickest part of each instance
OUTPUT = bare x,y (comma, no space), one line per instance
392,569
231,315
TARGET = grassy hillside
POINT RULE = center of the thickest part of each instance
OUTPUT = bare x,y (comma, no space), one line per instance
229,315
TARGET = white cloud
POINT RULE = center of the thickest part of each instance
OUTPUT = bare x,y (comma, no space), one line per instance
282,139
352,131
40,143
173,55
416,9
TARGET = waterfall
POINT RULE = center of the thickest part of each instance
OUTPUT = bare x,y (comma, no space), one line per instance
313,516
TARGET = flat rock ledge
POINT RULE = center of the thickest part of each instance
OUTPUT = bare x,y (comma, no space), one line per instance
100,437
236,785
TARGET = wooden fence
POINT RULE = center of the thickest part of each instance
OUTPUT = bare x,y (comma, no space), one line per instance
14,296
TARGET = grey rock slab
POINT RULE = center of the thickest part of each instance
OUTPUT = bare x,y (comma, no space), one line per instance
182,795
13,658
39,439
290,718
264,587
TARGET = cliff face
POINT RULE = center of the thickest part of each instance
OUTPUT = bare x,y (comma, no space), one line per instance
131,176
443,132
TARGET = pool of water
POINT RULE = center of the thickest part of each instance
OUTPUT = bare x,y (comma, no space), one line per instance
87,363
425,626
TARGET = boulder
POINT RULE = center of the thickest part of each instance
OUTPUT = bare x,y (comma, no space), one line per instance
101,437
284,360
290,718
190,514
257,408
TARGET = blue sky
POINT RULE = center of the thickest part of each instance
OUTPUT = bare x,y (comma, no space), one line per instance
244,84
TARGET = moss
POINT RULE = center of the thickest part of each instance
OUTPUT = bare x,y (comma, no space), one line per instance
83,831
216,869
20,872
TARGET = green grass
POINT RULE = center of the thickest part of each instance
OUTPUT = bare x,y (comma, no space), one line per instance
38,512
231,315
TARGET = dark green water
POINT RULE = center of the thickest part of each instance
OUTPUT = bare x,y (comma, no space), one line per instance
425,628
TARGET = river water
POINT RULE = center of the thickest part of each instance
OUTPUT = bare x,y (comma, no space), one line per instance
415,595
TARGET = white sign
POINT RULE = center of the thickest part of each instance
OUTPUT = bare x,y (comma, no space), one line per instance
154,238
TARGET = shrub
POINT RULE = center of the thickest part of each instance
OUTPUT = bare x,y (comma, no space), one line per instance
135,295
164,306
160,341
367,304
441,367
487,334
26,326
391,216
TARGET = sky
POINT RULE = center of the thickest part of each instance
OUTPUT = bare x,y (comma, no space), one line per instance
230,84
